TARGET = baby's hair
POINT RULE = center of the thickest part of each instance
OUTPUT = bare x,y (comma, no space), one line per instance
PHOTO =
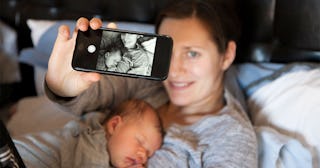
133,109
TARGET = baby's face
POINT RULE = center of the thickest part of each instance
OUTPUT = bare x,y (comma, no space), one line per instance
112,58
134,141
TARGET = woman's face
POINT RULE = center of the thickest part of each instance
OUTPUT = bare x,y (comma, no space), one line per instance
196,69
129,40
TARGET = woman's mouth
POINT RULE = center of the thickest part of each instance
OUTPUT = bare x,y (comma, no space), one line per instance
179,85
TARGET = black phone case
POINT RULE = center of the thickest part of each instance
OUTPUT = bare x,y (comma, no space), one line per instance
83,60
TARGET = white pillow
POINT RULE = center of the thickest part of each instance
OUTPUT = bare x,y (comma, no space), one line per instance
290,105
44,32
38,27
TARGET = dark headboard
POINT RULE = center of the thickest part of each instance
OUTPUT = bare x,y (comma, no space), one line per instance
272,31
280,31
16,12
138,10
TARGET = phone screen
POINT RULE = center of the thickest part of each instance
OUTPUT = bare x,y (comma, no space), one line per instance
124,53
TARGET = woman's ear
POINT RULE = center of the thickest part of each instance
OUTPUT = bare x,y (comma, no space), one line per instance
112,124
229,55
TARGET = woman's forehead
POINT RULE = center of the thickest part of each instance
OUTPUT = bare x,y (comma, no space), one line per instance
185,26
183,31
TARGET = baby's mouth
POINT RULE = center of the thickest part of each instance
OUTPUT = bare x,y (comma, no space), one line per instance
133,161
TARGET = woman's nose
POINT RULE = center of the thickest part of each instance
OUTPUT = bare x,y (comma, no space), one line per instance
176,66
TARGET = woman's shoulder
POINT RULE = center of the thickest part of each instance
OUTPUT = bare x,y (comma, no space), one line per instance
234,108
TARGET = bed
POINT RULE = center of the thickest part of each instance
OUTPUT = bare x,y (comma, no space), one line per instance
276,75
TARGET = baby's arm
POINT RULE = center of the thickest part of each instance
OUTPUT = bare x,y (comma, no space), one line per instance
124,65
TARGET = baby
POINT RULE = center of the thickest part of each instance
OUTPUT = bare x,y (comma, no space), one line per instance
126,138
111,59
133,134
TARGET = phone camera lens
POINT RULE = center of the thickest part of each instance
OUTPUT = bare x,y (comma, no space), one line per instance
91,48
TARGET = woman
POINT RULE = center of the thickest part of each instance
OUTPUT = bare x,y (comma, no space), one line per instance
205,126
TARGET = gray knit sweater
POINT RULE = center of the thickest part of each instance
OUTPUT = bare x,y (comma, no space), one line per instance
226,139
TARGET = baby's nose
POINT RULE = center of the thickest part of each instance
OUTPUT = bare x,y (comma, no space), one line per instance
142,156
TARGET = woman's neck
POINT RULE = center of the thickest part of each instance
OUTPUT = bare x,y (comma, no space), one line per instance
187,115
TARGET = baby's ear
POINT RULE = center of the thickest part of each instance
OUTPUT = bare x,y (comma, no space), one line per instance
112,123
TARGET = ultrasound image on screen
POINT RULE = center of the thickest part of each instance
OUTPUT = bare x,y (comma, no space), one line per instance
126,53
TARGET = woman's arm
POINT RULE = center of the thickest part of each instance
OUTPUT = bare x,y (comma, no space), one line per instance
109,92
83,92
70,146
61,78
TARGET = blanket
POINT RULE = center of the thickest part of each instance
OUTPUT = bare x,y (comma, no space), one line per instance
289,105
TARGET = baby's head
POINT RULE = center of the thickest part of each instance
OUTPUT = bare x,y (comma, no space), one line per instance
112,58
134,133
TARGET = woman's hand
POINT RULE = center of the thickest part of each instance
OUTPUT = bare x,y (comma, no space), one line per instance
60,77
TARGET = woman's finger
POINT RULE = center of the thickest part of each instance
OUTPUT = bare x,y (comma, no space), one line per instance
95,23
82,24
112,25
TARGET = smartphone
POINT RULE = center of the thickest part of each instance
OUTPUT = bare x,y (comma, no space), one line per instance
123,53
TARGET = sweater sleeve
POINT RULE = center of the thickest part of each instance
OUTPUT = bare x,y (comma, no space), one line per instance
226,139
109,92
215,142
236,146
78,144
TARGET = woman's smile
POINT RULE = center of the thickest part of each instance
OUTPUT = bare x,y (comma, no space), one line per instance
179,85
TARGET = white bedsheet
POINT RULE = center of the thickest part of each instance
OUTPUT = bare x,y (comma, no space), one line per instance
36,114
290,105
279,150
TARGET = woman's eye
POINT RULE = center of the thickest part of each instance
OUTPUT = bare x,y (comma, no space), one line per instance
192,53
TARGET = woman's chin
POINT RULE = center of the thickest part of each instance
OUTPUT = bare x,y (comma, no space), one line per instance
179,101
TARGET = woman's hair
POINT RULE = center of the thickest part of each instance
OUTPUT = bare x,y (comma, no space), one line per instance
219,16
